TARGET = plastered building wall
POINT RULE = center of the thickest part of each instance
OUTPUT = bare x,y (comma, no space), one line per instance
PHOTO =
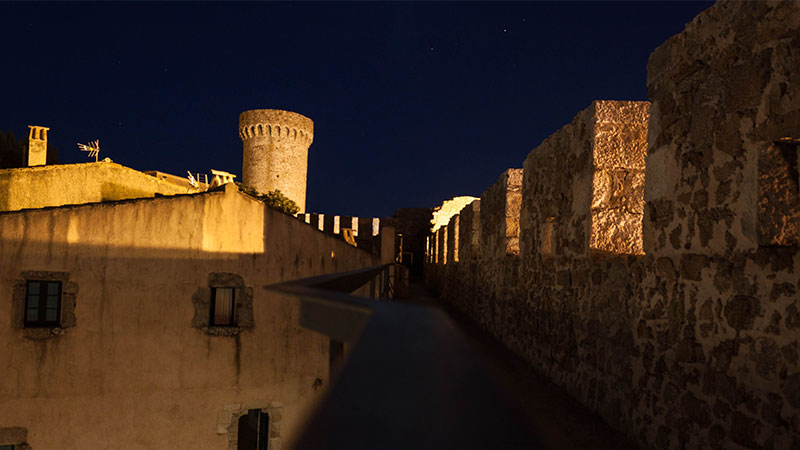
136,367
695,343
72,184
276,152
37,145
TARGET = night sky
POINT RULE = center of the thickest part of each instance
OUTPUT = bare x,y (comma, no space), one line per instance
412,103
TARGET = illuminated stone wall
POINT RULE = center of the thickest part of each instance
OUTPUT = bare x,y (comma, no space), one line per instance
276,151
469,231
694,344
584,185
499,219
135,369
73,184
443,212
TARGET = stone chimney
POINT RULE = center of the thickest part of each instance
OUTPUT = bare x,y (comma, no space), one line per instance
37,146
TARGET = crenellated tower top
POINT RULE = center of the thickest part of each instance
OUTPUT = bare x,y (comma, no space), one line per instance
276,151
277,124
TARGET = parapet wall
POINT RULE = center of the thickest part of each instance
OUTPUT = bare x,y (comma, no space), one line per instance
710,151
665,302
500,218
366,230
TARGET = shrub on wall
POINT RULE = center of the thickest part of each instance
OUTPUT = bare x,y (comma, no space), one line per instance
274,199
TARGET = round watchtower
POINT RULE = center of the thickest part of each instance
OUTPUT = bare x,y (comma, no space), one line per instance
276,151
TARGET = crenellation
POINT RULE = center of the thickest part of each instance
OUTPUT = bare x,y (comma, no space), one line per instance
275,159
469,231
499,218
274,130
645,258
331,224
453,239
657,278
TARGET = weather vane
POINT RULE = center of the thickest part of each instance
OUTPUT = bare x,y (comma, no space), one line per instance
93,148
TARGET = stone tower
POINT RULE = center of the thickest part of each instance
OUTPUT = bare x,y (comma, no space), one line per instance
37,146
276,151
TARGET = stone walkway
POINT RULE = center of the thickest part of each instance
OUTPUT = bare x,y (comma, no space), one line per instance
557,419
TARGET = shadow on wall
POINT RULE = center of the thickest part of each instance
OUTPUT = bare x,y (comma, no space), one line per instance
141,296
694,343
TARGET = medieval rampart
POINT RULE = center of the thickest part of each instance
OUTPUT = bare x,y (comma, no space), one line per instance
658,283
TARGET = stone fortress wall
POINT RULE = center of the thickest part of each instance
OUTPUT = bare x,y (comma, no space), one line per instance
276,151
656,272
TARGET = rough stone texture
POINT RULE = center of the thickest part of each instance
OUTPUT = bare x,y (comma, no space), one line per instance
779,195
583,188
499,218
133,372
619,147
695,344
452,238
276,151
723,92
444,241
73,184
469,226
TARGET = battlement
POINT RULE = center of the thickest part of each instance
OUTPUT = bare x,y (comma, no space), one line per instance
275,151
659,243
276,123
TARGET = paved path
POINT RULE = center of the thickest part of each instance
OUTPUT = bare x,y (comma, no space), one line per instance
558,420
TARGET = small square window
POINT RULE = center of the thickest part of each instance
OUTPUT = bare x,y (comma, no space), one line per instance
43,304
223,307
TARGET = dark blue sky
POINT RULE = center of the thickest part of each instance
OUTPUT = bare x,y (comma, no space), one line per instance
412,103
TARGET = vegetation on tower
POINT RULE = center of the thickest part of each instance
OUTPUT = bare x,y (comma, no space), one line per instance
274,199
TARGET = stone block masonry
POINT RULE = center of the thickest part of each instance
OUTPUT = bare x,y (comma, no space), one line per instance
500,218
659,284
584,184
276,152
715,128
469,228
